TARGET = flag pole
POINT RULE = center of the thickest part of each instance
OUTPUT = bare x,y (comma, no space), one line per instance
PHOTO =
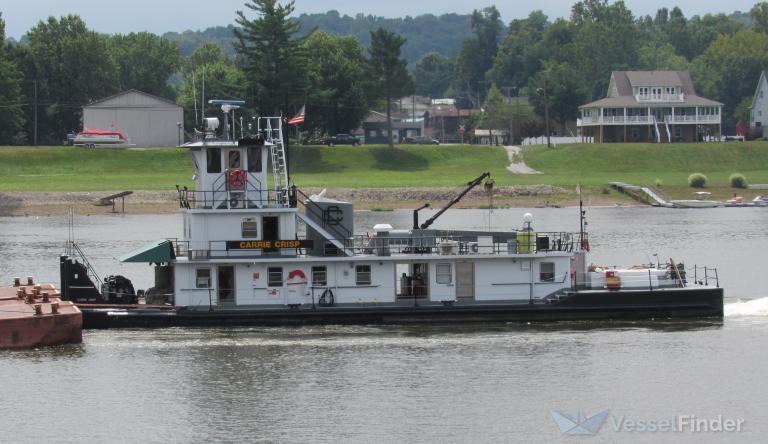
581,217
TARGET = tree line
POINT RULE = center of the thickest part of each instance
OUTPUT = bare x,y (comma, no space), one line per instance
280,63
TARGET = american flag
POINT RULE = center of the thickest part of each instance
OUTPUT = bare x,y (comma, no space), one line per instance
298,118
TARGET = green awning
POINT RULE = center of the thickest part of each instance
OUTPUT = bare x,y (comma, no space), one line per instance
159,252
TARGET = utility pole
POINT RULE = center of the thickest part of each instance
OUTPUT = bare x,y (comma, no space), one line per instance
546,112
35,136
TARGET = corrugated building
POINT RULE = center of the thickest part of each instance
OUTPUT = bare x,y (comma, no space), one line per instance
146,120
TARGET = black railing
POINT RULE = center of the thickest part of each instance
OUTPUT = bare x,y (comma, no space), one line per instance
387,246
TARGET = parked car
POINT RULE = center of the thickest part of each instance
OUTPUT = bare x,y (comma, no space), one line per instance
421,141
342,139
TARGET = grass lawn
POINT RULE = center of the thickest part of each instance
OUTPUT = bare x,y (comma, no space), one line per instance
593,165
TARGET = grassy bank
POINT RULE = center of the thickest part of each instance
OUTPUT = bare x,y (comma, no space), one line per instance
668,165
78,169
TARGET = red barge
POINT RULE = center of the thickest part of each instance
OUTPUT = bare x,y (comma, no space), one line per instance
34,315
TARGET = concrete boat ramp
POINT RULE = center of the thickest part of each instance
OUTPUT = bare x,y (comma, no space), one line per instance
642,193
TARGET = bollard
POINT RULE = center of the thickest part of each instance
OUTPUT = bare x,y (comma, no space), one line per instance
54,308
30,298
45,297
38,309
30,281
36,290
17,282
20,293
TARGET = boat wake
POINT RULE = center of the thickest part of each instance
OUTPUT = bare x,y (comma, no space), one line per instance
753,307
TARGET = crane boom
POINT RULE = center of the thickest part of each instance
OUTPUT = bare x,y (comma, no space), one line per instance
470,185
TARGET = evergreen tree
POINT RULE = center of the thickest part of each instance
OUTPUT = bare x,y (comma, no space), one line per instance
274,59
388,75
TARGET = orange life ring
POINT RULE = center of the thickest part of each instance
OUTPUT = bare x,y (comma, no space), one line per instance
236,177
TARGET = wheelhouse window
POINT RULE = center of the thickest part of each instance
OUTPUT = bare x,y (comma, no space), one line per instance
443,274
254,159
203,278
213,160
234,159
547,272
250,228
275,277
363,275
319,276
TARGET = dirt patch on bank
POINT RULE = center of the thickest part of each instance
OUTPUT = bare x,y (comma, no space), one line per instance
158,202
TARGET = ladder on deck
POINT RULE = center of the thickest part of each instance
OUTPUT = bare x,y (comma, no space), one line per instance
272,127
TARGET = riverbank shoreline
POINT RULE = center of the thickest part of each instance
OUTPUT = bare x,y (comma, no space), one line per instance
376,199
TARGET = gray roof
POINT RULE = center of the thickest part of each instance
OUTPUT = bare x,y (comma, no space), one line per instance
153,97
624,81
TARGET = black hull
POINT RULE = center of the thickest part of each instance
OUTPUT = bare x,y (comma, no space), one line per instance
675,303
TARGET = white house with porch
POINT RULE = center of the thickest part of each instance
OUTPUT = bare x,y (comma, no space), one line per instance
651,106
758,112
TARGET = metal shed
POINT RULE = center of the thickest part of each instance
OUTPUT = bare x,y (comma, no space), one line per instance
146,120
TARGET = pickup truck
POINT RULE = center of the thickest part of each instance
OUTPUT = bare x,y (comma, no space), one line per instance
342,139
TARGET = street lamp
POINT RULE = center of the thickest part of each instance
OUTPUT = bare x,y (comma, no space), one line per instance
546,111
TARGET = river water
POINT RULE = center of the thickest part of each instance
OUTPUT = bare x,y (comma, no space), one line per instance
489,383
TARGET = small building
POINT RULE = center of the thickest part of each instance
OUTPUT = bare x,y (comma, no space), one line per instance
375,127
144,119
651,106
445,122
758,112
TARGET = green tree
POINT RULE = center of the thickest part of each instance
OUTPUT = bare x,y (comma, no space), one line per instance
759,15
386,69
524,48
146,62
337,100
11,115
495,112
432,75
73,66
208,54
564,92
729,69
221,80
477,53
606,39
654,56
274,60
706,29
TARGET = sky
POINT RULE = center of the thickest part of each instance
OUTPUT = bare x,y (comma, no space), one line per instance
160,16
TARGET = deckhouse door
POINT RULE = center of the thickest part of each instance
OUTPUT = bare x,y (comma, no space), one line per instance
226,289
465,280
270,231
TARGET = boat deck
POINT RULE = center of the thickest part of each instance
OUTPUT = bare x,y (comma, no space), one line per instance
27,320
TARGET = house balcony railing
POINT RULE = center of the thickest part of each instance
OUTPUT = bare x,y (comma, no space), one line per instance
638,120
660,97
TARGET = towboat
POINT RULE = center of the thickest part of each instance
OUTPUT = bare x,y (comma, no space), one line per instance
256,250
94,137
33,315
